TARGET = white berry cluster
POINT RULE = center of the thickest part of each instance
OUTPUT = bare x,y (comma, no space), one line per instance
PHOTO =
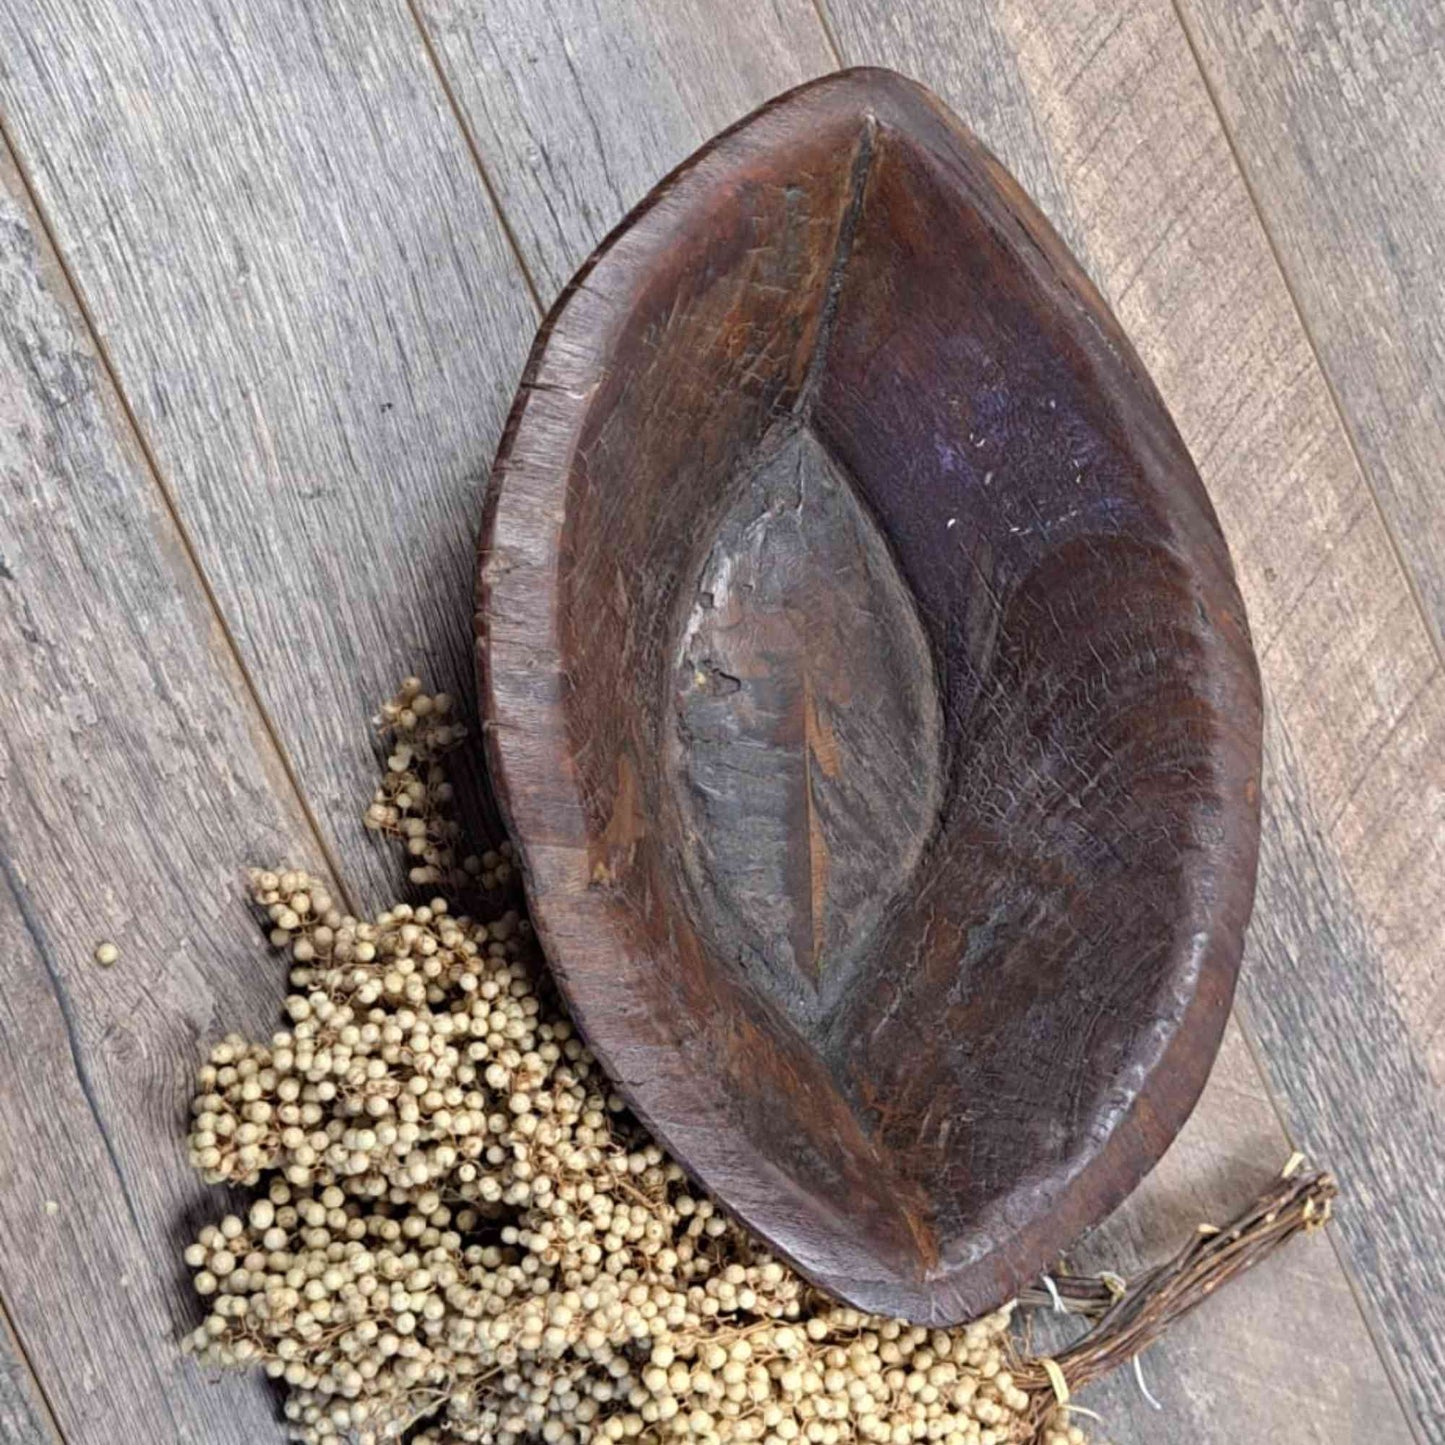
403,1032
462,1236
414,801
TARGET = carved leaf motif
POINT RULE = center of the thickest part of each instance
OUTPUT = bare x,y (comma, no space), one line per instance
807,728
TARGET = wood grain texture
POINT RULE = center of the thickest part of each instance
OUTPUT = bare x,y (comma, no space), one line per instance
1103,114
579,106
1337,113
309,303
276,358
837,368
24,1416
1349,1068
136,779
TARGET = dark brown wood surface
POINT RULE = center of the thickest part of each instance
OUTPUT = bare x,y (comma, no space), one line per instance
274,219
872,702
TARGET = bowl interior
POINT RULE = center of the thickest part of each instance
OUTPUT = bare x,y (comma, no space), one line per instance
898,836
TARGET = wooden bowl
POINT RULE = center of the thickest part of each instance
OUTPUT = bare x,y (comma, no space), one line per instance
870,697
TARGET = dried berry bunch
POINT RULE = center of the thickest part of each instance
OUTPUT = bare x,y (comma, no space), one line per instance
461,1235
458,1219
414,801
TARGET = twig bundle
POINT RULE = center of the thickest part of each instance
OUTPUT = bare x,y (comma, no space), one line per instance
1129,1317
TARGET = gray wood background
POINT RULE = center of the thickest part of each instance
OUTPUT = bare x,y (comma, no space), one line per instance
268,272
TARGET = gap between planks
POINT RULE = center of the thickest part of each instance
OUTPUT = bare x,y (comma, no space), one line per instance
24,1405
459,115
1373,1323
92,333
820,9
1412,581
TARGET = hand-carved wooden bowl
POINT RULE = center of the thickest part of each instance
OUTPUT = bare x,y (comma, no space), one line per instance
872,702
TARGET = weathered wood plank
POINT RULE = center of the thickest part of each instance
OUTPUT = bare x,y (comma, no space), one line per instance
578,108
1338,116
1337,1039
305,292
24,1417
1103,114
136,777
1337,113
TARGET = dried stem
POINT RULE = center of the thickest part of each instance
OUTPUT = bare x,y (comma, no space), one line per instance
1129,1317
